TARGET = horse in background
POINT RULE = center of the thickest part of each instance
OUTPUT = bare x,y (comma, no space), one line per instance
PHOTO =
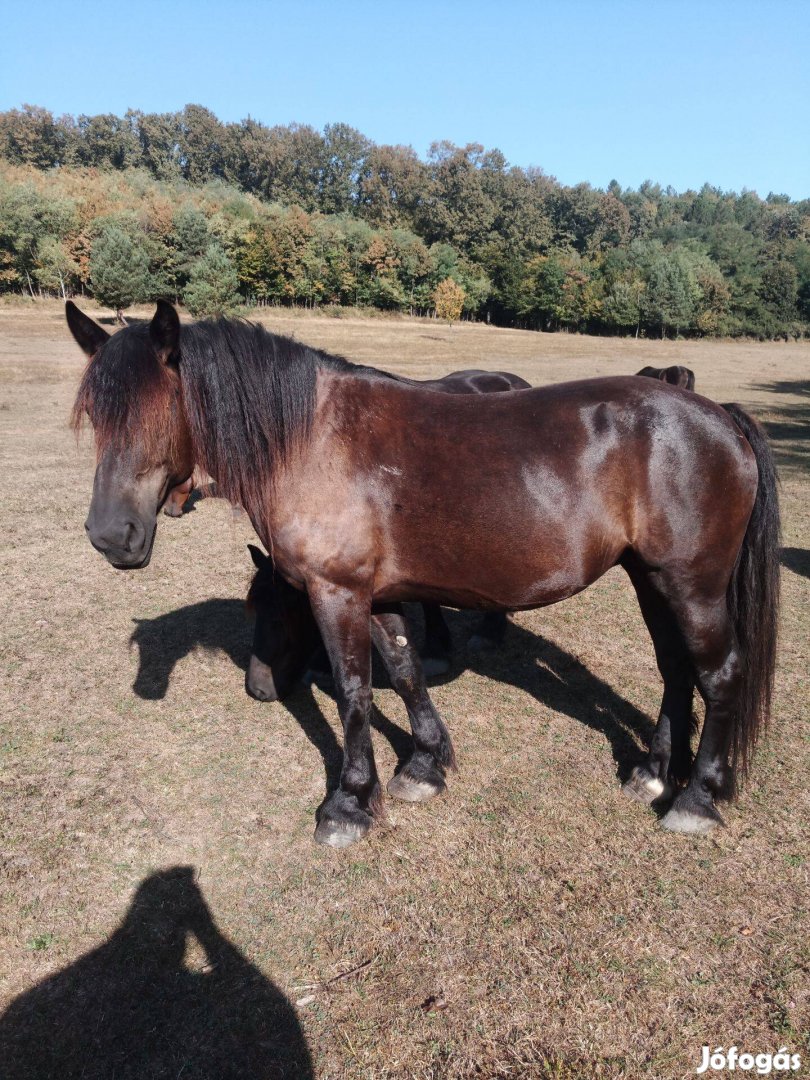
676,375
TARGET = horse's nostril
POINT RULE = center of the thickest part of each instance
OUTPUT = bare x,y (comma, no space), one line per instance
129,532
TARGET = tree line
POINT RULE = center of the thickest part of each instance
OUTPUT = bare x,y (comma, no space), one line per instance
220,214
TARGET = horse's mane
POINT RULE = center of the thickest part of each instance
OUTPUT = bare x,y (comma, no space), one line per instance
249,397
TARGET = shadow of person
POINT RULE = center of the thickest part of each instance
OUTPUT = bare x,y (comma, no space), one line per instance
797,560
132,1009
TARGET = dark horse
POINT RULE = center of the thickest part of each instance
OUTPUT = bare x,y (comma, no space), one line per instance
676,375
286,639
369,492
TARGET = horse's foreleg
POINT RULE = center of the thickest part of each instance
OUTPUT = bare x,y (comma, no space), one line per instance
422,776
438,645
343,619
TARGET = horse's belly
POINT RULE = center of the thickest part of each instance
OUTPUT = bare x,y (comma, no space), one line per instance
499,564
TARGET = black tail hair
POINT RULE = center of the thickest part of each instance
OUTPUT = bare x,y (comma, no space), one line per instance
753,598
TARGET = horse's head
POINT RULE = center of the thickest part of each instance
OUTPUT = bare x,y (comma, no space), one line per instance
132,394
285,634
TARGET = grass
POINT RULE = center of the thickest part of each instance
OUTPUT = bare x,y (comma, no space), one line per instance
533,923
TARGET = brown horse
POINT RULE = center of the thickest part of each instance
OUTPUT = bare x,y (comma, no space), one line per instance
286,641
674,375
177,498
369,492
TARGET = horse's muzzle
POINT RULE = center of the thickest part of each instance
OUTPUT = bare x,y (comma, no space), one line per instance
126,545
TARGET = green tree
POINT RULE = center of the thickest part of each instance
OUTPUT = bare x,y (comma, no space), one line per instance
779,290
213,284
56,270
624,304
670,296
119,271
190,237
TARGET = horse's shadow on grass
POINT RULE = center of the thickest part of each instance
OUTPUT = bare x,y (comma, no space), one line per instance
132,1008
788,425
797,560
525,660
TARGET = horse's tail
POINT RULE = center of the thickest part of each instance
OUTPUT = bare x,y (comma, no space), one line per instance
753,598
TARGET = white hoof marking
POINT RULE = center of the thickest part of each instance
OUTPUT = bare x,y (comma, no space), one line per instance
646,789
683,822
402,787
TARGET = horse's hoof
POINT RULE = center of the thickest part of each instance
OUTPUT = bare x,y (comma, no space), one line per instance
435,665
646,789
409,789
693,820
341,834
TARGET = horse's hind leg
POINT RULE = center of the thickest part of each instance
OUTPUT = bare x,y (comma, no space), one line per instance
669,757
422,776
713,648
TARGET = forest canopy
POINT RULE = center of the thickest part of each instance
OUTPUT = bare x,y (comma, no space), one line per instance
216,215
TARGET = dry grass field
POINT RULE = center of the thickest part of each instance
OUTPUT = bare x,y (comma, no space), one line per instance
532,923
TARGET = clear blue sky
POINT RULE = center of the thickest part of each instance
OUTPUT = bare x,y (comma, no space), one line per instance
678,92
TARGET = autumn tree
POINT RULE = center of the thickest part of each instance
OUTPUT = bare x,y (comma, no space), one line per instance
448,300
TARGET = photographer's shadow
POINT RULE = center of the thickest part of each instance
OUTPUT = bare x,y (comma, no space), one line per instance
132,1008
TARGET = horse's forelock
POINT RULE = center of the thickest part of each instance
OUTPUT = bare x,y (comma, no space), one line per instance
126,393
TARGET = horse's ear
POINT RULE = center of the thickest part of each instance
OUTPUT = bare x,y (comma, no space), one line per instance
259,558
164,332
88,334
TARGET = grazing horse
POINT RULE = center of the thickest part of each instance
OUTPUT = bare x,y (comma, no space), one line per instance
369,492
676,375
286,635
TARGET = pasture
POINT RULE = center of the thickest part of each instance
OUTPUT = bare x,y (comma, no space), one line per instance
534,922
